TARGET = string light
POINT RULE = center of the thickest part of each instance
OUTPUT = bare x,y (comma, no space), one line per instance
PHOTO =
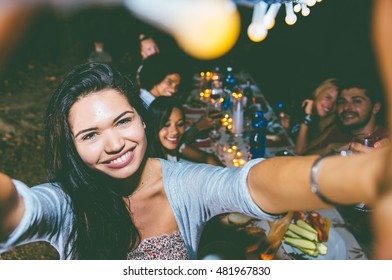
207,29
305,10
265,11
257,31
291,18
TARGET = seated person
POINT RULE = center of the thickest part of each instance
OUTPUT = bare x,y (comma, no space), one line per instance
148,47
319,120
161,77
158,77
166,130
358,108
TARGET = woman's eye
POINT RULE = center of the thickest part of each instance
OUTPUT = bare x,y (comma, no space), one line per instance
89,136
181,124
124,121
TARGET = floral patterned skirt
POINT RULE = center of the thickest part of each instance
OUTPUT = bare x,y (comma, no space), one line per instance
163,247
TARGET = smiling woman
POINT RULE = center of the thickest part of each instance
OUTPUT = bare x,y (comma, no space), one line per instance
115,139
166,133
319,121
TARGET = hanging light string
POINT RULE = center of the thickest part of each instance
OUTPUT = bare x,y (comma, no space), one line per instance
265,11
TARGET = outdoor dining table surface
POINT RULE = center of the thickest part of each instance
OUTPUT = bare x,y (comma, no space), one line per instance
278,143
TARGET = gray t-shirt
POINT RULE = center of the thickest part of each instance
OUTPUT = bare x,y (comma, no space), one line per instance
196,193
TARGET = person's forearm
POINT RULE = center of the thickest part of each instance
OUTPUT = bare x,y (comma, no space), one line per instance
191,134
302,140
214,160
282,184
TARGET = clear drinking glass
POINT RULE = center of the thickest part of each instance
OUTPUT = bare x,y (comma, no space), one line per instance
214,111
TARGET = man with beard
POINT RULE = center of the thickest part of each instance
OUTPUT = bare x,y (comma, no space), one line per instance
357,108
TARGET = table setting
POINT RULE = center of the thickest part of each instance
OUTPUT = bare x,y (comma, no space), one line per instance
232,145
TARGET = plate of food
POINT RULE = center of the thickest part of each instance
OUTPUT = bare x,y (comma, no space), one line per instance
313,239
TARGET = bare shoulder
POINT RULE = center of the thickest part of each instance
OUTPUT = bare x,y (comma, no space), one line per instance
7,188
156,167
11,206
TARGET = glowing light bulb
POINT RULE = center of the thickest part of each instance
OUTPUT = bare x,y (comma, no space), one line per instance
204,29
297,8
257,32
305,10
269,18
311,3
291,18
271,24
319,1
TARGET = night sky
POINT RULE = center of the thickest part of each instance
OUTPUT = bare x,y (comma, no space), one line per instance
333,41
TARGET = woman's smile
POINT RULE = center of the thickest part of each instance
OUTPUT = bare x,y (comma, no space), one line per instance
120,161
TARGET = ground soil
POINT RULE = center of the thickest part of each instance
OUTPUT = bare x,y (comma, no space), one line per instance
24,94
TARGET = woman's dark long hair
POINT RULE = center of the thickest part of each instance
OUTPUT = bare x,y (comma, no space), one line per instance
159,113
103,227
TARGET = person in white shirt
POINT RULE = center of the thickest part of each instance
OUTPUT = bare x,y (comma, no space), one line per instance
158,77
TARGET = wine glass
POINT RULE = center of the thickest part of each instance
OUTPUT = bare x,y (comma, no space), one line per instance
358,216
215,113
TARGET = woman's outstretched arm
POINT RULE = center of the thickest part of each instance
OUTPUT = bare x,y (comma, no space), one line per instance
11,207
282,184
382,35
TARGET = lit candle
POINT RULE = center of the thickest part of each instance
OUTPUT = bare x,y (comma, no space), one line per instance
238,115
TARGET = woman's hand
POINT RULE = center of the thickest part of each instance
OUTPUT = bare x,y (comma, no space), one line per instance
360,148
206,121
307,105
382,143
